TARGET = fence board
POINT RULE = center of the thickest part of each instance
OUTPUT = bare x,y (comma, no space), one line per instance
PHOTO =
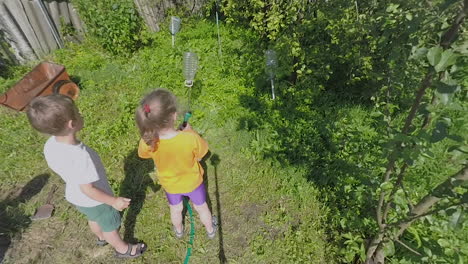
17,10
153,12
7,57
31,16
15,36
63,11
55,15
45,29
75,19
30,29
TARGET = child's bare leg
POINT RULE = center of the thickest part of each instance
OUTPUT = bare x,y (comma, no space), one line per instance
96,229
205,216
176,216
113,238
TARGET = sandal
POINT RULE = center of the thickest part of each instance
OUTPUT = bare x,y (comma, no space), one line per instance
101,243
214,221
140,249
179,235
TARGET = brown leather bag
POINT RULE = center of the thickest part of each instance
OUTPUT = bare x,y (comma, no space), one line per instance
46,78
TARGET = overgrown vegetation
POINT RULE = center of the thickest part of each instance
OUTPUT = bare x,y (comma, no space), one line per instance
115,24
373,103
370,118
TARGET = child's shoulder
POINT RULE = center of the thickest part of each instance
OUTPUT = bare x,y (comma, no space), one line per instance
189,134
54,146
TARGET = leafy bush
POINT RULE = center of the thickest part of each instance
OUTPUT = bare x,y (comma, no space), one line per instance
115,24
357,65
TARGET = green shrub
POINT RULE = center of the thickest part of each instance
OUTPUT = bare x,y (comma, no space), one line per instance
115,24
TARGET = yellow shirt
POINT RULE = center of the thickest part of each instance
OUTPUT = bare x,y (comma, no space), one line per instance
176,160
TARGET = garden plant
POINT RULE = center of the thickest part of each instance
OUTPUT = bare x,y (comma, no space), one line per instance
360,158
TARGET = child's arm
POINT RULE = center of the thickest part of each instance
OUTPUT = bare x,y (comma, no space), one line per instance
119,203
201,145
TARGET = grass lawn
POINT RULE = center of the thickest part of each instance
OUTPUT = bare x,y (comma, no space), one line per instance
268,213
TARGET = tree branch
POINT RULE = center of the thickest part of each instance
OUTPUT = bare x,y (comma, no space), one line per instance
450,35
421,208
417,101
407,247
408,199
391,164
436,210
446,40
398,183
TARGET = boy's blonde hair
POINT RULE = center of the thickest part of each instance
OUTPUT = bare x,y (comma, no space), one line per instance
50,114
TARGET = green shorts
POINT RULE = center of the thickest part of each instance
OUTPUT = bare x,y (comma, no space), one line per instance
105,215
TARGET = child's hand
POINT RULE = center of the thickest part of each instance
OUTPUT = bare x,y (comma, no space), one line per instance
121,203
187,127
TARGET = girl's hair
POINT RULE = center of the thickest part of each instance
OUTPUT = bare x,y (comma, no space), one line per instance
154,113
50,114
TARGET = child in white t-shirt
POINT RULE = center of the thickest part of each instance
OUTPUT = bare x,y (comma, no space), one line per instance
81,168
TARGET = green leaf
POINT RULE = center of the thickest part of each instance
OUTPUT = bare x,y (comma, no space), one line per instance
445,88
447,59
440,132
443,242
400,198
463,149
444,92
465,198
417,238
389,249
447,4
455,138
428,251
428,154
402,137
392,8
444,98
386,186
418,53
456,219
434,54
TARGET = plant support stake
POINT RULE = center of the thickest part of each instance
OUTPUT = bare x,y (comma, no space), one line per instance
174,27
217,25
271,62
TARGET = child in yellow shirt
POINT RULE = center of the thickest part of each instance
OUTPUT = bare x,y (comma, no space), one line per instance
176,155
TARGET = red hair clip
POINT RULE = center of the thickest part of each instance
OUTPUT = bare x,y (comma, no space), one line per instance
146,108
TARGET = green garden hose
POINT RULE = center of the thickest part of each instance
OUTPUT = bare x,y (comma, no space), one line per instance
192,232
186,119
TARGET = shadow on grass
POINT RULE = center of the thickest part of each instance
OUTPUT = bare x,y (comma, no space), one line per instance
137,181
314,129
12,218
214,161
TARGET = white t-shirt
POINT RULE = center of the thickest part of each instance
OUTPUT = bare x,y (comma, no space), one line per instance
76,164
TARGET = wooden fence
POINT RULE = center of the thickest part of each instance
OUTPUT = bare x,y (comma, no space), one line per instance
154,12
30,29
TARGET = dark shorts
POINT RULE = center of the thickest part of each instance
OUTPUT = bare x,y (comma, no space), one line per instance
104,215
197,196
